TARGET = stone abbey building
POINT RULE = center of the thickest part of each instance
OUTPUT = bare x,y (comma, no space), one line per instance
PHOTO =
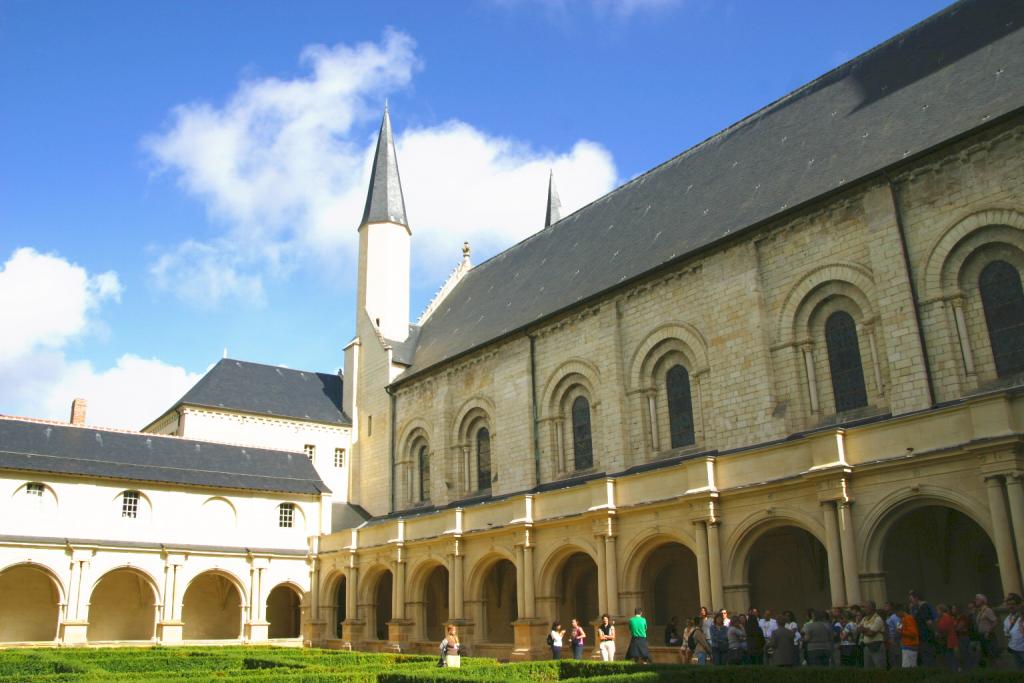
782,369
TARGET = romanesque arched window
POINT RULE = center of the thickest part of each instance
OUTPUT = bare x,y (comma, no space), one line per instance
582,446
423,461
680,406
1003,301
483,459
844,362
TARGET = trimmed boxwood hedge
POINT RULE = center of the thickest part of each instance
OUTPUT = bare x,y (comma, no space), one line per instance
265,664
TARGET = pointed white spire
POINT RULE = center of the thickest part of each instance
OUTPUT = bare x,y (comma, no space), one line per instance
554,213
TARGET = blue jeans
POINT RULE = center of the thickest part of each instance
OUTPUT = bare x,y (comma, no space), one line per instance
702,658
1018,658
577,651
556,652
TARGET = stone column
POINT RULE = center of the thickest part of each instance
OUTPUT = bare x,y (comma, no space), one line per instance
458,605
652,409
602,577
529,597
520,583
612,572
812,380
848,546
703,570
961,333
715,566
1002,535
1015,494
399,611
835,561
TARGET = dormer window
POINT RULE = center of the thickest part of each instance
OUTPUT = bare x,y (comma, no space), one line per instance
130,504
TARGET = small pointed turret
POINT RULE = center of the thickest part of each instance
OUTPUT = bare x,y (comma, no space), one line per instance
554,213
384,200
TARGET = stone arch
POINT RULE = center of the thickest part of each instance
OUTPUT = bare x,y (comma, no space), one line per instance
661,575
780,561
754,526
493,585
429,584
284,610
880,518
31,596
569,584
377,596
941,257
123,605
935,541
473,409
219,513
679,336
571,372
334,592
850,280
212,606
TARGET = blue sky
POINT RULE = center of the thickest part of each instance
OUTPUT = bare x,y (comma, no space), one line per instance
181,177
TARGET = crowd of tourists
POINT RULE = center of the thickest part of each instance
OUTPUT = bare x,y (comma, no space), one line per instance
959,638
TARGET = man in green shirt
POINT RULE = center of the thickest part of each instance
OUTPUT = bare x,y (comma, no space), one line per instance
638,650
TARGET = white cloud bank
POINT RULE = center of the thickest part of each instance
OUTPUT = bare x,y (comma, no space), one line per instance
48,303
283,166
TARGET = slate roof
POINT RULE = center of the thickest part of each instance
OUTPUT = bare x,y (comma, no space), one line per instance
384,200
950,74
269,390
402,351
36,446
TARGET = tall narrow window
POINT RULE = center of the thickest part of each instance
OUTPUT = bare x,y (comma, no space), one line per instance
582,447
844,362
339,457
424,466
130,504
483,459
680,407
1003,301
286,515
310,451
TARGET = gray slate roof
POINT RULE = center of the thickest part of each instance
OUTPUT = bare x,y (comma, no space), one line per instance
269,390
384,200
950,74
85,451
402,351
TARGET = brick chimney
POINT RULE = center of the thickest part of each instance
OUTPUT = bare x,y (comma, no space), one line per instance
78,411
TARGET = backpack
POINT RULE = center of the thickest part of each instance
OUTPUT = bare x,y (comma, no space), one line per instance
691,642
551,641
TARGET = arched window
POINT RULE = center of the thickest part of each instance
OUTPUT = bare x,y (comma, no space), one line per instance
844,362
582,447
130,504
680,407
424,465
1003,301
286,515
483,459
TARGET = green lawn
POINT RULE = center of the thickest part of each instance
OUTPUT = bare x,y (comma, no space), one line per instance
140,665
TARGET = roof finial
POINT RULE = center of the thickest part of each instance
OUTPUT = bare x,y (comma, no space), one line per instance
554,212
385,105
465,251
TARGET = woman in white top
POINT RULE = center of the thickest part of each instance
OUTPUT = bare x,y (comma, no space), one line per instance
555,640
606,638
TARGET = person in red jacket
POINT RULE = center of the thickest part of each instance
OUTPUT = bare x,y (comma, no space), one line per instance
948,641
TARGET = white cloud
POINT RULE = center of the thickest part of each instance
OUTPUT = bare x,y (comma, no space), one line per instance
48,303
284,164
